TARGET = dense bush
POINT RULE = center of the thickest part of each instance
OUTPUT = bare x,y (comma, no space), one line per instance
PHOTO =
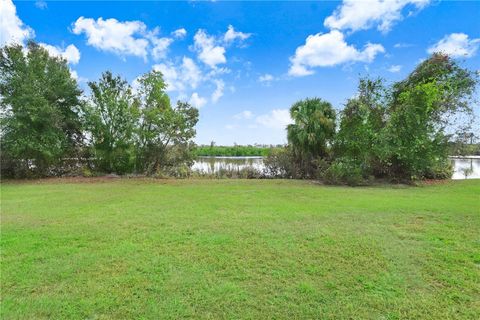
232,173
399,133
422,107
361,123
346,171
280,163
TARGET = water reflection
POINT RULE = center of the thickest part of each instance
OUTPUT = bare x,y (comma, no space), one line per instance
210,165
215,164
460,165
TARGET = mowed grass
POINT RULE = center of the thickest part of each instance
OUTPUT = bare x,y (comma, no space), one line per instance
231,249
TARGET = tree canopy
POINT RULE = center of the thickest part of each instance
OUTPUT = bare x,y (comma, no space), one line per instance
40,105
46,119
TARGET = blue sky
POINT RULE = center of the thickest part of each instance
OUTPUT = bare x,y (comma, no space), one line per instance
244,63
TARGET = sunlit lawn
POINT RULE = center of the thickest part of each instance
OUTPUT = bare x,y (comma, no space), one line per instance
255,249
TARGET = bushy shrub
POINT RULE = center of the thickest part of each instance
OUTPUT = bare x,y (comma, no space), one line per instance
279,164
87,172
441,170
231,173
180,171
346,171
250,173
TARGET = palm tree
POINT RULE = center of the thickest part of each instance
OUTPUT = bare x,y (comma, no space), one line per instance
313,128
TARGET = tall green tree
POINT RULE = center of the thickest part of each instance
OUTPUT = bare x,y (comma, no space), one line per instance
112,116
311,134
40,105
361,123
165,132
422,108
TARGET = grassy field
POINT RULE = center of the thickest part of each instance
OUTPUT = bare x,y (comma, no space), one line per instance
256,249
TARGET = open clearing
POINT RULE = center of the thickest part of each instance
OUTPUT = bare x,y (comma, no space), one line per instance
250,249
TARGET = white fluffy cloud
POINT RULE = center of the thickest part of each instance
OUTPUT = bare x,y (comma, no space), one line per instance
244,115
186,76
329,49
126,37
357,15
111,35
275,119
181,77
160,47
190,72
395,68
208,52
456,45
197,101
231,35
12,29
218,93
70,53
179,33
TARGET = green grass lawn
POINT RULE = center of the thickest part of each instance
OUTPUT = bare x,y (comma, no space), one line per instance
253,249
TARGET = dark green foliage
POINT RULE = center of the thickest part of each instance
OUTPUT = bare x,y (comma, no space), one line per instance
311,134
313,127
346,171
361,123
111,117
40,104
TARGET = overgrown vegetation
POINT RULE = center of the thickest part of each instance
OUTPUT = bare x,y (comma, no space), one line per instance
46,123
396,132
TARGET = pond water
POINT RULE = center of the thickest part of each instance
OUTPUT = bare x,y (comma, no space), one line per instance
460,164
214,164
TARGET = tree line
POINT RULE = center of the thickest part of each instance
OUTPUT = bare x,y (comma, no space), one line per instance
46,121
234,151
397,132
